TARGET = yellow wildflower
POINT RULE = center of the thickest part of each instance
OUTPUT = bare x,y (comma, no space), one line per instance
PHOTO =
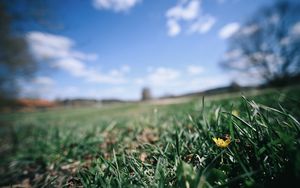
222,143
235,112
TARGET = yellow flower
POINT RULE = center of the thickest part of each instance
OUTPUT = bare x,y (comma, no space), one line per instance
222,143
235,112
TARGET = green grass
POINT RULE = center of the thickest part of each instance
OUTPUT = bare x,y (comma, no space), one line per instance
147,145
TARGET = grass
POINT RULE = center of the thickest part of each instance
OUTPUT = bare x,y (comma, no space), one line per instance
151,145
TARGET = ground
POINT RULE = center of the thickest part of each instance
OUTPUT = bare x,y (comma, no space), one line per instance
157,144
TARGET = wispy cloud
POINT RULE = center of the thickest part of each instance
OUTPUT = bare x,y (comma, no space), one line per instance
162,76
46,45
233,54
228,30
125,69
295,30
183,11
194,69
59,52
203,24
161,80
167,80
38,86
115,5
188,14
173,27
43,80
207,82
249,29
112,92
233,28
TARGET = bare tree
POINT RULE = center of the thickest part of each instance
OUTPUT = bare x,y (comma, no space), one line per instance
268,46
16,62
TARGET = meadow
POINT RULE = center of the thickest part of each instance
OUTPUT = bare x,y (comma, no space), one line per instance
157,145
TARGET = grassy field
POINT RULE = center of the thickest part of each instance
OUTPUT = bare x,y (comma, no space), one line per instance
157,145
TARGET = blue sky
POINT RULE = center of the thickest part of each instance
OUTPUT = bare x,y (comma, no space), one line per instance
114,48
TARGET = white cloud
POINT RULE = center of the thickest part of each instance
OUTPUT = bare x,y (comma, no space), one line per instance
173,28
54,41
57,46
45,45
178,84
37,87
285,41
106,78
194,70
43,80
59,53
181,12
71,65
113,92
203,25
233,54
228,30
139,81
162,76
125,69
167,80
294,33
187,13
115,5
119,72
296,29
115,72
84,56
69,91
208,82
249,30
78,69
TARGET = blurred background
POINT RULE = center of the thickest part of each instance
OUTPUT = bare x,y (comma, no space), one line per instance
95,51
149,93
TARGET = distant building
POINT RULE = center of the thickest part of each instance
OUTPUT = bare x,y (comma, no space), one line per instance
35,103
234,86
79,102
146,94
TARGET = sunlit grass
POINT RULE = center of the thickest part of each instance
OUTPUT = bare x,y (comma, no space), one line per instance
145,145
